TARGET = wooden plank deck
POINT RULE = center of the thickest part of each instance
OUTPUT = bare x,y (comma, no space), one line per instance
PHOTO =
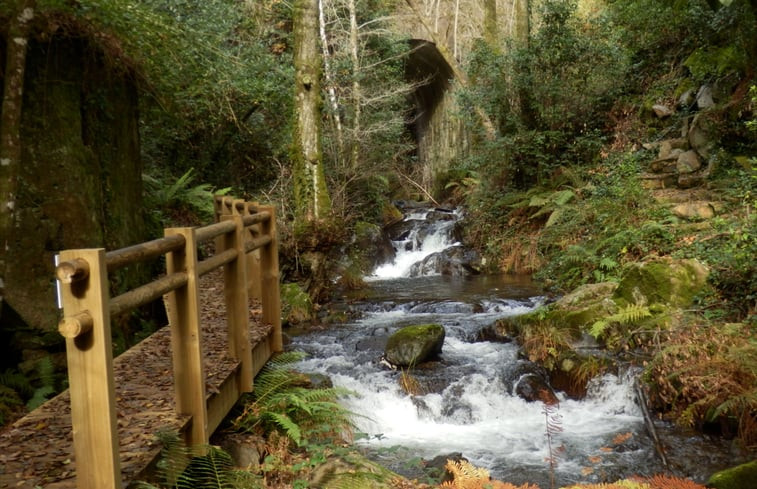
37,450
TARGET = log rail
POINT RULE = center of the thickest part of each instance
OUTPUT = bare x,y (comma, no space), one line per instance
246,247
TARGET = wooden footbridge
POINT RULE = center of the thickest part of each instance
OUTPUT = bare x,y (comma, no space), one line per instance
100,434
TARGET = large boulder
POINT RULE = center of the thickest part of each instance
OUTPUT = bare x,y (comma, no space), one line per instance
370,247
664,281
413,345
587,304
455,261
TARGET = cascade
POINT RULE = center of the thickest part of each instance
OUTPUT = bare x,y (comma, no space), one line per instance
467,402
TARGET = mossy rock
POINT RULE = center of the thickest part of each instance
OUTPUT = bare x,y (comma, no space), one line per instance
739,477
586,304
369,248
353,470
296,305
665,281
413,345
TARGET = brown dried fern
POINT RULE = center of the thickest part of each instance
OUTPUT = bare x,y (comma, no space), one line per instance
468,476
661,481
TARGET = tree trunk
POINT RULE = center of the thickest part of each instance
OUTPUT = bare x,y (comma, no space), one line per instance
312,201
490,23
522,10
10,126
327,72
356,97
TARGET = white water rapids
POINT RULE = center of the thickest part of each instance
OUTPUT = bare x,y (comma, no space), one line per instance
467,405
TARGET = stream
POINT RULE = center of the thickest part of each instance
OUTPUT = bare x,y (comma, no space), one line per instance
465,403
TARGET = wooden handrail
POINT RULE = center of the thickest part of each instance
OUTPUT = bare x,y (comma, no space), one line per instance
142,252
216,261
211,231
147,293
246,248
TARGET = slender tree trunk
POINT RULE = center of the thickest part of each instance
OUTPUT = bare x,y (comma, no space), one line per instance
312,201
327,73
356,95
491,33
454,32
522,12
10,126
460,75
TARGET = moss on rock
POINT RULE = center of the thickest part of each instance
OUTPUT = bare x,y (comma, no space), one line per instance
739,477
353,470
412,345
296,305
666,281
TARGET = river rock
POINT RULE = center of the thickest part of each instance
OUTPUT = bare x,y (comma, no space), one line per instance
455,261
533,388
662,280
497,332
244,448
400,230
739,477
436,468
370,247
353,471
413,345
440,214
529,381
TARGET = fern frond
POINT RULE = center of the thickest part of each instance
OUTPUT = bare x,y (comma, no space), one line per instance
291,428
630,314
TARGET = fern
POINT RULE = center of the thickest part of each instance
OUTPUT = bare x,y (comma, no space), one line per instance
46,373
468,476
281,402
201,467
630,314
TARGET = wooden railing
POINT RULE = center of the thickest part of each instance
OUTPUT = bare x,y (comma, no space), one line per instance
246,247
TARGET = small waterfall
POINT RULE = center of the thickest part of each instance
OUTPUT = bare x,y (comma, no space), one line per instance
466,404
415,239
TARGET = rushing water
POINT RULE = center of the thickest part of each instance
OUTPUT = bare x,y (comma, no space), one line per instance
465,403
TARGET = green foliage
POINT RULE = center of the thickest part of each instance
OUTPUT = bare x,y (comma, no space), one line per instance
28,390
202,467
180,201
547,97
281,402
210,72
47,380
628,315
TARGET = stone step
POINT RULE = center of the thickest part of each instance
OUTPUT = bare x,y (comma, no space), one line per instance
652,181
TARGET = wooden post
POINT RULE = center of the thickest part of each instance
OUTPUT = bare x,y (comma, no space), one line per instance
269,262
183,310
253,259
90,376
237,314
